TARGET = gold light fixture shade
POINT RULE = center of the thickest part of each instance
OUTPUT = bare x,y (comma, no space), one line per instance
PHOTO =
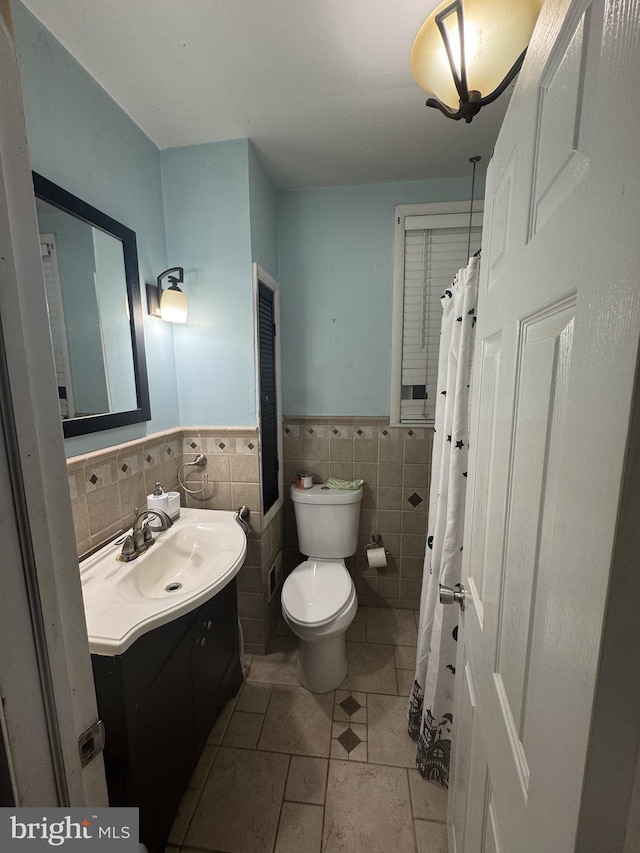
495,34
173,305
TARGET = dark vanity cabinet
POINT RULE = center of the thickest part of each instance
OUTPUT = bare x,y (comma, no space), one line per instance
158,702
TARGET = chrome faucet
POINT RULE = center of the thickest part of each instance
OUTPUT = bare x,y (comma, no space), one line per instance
160,514
141,537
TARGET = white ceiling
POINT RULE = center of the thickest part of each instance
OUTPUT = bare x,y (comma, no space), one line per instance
323,88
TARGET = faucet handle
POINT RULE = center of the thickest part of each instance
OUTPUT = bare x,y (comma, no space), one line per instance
128,549
138,541
147,534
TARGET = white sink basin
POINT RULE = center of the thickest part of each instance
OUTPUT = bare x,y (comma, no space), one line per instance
187,565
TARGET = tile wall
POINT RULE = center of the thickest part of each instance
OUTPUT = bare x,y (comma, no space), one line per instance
395,464
107,485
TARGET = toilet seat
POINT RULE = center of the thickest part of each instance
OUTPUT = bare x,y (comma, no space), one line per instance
316,592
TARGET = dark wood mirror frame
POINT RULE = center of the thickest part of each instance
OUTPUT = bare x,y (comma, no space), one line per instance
60,198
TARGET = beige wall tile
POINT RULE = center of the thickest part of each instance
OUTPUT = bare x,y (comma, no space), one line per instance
416,476
388,589
412,567
389,521
253,631
390,498
342,470
341,450
390,450
367,471
219,467
365,450
391,626
293,446
247,494
414,522
417,452
413,546
389,474
132,494
316,449
251,604
218,497
103,508
80,518
245,468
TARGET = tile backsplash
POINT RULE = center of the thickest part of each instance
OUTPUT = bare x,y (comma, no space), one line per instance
395,464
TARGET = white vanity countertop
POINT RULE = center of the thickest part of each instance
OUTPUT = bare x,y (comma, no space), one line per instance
186,566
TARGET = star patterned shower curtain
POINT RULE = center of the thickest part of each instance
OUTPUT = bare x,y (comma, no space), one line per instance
430,711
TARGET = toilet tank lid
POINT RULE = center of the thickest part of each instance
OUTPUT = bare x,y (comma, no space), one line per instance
323,495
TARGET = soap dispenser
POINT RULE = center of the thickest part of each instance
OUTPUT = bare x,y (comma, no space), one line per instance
158,500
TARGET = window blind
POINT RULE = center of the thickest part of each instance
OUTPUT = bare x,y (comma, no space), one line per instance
432,257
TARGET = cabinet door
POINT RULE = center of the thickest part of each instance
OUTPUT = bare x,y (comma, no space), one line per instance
214,653
160,727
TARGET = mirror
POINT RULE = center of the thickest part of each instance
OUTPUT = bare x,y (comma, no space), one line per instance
90,265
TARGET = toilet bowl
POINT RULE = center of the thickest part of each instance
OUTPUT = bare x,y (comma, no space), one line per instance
319,599
319,603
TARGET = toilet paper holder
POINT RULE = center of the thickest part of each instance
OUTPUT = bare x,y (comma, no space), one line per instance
376,542
376,553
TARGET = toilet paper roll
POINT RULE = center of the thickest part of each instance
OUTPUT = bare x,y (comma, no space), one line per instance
376,557
157,502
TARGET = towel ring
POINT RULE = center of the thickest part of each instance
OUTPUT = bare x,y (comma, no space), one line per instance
200,461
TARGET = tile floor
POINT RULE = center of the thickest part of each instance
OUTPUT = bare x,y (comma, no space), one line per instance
289,771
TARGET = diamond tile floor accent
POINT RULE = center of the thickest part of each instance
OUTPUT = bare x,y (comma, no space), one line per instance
349,739
286,770
350,705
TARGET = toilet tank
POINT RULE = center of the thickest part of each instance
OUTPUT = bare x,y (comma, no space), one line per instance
327,520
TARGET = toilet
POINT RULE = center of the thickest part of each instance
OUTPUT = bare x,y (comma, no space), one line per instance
318,598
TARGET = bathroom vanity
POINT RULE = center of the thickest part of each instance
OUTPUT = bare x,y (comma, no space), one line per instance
158,702
163,632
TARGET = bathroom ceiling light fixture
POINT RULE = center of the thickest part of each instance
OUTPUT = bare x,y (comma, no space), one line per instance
468,51
169,304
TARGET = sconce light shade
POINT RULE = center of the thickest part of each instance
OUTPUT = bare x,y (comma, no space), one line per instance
169,304
173,305
467,52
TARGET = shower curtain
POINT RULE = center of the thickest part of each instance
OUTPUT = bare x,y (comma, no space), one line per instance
430,710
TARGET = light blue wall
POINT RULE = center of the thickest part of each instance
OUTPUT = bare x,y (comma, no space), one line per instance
331,250
336,277
263,201
80,139
206,195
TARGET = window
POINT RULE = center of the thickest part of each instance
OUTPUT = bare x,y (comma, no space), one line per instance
431,245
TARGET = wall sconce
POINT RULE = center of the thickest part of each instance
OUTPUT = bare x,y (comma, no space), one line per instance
169,304
468,51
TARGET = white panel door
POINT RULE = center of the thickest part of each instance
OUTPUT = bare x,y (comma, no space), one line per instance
557,346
